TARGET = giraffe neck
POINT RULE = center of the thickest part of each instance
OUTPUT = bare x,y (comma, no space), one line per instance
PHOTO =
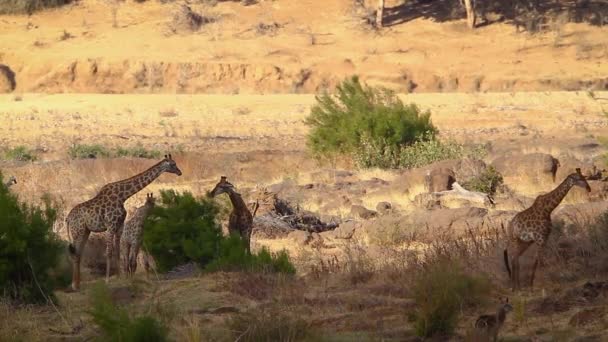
130,186
549,201
237,202
501,315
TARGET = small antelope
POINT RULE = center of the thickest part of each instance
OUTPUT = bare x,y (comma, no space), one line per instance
490,325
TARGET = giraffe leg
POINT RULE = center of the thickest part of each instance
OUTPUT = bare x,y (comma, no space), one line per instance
109,250
133,257
538,259
80,241
125,256
521,247
116,248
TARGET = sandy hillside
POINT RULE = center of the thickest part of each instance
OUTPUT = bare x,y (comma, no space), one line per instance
302,46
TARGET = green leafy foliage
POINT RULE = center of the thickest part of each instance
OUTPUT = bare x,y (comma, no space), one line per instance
487,182
183,229
340,123
117,325
30,254
441,290
137,151
83,151
20,153
28,6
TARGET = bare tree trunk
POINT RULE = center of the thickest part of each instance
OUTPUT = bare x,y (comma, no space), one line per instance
379,13
470,8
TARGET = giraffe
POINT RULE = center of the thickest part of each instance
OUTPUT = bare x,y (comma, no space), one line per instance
241,219
12,180
132,235
533,226
106,212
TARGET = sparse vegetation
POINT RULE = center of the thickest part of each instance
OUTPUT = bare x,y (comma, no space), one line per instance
30,254
272,323
442,289
84,151
117,325
28,6
20,153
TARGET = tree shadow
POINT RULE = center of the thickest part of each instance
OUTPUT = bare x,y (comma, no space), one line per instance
10,76
524,13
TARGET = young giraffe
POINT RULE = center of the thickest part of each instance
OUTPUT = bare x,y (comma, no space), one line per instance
132,235
533,225
106,212
489,325
12,180
241,219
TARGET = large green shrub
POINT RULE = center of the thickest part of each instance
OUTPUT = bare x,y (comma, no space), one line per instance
29,251
117,325
184,229
28,6
340,123
486,182
441,290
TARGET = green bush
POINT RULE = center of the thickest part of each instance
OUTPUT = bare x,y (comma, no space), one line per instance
84,151
20,153
486,182
29,251
339,123
28,6
117,325
441,289
233,256
183,229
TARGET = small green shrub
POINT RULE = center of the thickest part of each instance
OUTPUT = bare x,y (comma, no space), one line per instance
28,6
486,182
30,253
138,151
20,153
84,151
441,289
233,256
117,325
340,122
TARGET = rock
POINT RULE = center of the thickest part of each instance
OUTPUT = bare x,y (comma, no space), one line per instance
384,207
345,230
185,20
362,212
534,166
440,179
300,237
587,316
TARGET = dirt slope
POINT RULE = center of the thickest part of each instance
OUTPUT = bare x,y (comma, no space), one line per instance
284,46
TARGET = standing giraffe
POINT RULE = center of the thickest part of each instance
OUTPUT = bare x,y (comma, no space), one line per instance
106,212
12,180
533,225
241,220
132,235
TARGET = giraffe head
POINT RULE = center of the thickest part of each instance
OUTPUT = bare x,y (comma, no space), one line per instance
505,305
223,186
150,200
169,165
578,179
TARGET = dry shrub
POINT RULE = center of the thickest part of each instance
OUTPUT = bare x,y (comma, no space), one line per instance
271,323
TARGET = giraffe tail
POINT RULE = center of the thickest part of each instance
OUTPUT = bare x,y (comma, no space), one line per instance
506,258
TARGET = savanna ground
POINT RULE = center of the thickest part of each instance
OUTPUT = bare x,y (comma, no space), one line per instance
347,289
